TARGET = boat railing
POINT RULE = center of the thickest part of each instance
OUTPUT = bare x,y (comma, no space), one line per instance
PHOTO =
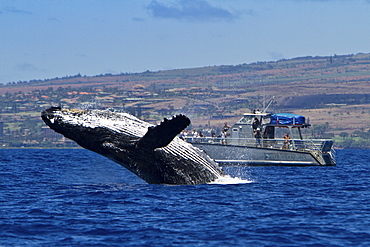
333,155
292,144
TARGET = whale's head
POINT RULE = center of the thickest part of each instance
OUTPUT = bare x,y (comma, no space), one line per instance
107,127
101,131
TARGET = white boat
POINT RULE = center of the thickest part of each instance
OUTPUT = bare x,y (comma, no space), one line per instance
239,146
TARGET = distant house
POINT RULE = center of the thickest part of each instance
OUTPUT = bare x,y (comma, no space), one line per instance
50,134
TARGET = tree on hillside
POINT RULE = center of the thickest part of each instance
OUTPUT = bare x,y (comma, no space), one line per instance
320,129
344,135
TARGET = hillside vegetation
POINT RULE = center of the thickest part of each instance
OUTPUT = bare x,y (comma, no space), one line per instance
333,92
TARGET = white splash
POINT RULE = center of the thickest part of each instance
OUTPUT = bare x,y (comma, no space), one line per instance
226,179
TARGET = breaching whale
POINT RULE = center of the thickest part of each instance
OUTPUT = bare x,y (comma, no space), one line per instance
153,153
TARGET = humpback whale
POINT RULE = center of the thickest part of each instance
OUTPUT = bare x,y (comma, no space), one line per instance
154,153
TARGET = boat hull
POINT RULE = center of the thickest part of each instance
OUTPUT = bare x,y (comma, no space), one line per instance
234,155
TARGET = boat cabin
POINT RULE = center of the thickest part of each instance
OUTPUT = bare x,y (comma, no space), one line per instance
270,125
279,131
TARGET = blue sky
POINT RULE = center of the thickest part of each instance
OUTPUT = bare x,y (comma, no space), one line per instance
47,39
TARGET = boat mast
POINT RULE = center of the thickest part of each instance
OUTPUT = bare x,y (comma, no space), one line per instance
268,105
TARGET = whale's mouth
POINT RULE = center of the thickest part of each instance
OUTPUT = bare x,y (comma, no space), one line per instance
49,116
57,113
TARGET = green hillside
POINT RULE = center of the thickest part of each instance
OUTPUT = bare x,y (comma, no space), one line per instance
333,91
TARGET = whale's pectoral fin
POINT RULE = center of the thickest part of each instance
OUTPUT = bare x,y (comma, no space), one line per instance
162,134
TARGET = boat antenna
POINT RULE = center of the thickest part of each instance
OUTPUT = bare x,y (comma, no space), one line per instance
268,105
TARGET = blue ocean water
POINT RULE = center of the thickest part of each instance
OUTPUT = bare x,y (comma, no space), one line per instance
78,198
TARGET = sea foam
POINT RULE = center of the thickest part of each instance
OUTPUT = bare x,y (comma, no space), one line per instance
227,179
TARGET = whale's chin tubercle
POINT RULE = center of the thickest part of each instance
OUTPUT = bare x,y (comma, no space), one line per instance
154,153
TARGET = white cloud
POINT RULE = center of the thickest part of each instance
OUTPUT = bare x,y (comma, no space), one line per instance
26,67
191,10
17,11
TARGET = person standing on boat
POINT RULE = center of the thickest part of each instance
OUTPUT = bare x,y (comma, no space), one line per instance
286,141
255,124
194,135
213,137
201,136
223,137
226,127
257,135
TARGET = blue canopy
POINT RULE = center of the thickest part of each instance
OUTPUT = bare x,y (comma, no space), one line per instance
287,119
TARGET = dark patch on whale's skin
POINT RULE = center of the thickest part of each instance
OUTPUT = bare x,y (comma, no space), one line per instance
153,153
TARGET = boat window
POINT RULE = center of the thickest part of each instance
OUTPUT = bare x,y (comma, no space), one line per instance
269,132
246,119
235,129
